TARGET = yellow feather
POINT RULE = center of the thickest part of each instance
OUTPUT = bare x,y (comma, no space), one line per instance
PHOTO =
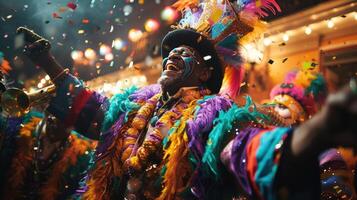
176,158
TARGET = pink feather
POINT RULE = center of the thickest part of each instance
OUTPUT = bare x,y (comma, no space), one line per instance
261,10
232,80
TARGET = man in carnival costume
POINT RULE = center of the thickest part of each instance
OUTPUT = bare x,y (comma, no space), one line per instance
159,142
39,158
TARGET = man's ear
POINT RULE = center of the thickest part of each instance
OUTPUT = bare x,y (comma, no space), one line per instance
205,74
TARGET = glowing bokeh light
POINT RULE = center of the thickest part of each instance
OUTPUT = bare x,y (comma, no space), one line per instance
330,23
104,49
109,57
286,37
308,30
76,55
90,54
135,35
267,41
169,14
119,44
127,9
152,25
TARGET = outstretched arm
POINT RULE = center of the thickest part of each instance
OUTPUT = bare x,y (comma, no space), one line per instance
37,49
282,163
75,105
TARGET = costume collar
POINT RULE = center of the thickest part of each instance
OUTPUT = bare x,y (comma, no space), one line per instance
188,94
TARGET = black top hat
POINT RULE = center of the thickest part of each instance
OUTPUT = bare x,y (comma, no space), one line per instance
205,48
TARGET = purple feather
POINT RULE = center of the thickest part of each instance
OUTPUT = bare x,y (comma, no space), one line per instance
145,93
108,137
203,122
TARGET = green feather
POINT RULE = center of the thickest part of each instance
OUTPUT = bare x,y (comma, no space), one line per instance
119,104
317,86
221,132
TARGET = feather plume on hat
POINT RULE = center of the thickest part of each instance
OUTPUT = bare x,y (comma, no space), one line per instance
225,24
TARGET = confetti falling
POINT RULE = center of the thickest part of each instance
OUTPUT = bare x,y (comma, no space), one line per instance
85,21
72,5
89,24
56,16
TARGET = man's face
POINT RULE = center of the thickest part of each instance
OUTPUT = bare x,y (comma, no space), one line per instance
184,67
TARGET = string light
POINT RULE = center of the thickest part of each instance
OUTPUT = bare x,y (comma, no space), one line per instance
286,37
308,30
267,41
330,23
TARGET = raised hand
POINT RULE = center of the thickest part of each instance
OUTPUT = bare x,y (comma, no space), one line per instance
35,45
37,48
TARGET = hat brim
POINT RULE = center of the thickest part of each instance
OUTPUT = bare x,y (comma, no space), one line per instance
205,48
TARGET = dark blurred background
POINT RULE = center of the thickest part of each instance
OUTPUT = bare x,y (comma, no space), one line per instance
89,24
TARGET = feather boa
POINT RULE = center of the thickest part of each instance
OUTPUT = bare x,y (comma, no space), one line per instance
108,163
119,103
23,159
105,168
233,77
178,167
220,134
70,158
206,111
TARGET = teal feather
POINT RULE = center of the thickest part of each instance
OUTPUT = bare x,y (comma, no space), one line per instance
119,104
219,27
171,130
317,87
221,133
229,42
32,114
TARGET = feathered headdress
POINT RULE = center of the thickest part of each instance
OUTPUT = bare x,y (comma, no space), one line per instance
306,86
214,28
